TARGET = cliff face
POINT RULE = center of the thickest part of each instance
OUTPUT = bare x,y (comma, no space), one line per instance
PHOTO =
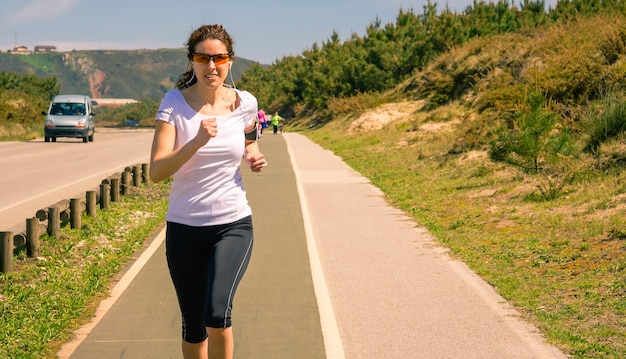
79,63
97,87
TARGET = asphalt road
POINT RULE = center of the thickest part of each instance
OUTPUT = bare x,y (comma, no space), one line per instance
35,174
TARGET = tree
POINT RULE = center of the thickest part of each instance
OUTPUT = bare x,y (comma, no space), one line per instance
533,141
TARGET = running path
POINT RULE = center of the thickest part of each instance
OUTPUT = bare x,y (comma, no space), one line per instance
275,311
394,292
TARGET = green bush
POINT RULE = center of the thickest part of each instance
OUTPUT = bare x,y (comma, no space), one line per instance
142,112
606,120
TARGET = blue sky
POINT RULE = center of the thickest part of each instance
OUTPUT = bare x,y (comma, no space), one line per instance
263,30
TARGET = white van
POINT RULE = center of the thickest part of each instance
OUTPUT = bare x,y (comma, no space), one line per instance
70,116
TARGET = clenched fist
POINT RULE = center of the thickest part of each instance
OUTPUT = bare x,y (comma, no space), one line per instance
256,161
206,131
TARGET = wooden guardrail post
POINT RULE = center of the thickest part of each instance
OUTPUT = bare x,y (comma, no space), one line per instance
90,197
6,252
32,237
115,189
104,196
137,175
54,221
126,178
145,169
75,213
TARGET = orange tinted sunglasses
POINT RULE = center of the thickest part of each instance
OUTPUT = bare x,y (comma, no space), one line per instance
218,59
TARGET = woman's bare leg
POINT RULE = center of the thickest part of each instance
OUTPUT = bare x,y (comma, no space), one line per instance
196,350
221,343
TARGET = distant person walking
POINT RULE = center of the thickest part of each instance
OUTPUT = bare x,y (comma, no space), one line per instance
276,121
203,130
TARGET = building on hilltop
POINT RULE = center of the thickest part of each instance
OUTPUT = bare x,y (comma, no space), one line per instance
22,50
40,49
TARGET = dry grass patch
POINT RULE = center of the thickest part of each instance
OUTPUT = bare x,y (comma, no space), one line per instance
377,118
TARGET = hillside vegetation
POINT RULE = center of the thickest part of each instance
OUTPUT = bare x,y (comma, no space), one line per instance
316,83
22,98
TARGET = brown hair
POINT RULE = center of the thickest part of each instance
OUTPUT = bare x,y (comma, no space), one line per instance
204,32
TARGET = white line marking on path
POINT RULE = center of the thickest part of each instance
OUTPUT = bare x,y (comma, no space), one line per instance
330,331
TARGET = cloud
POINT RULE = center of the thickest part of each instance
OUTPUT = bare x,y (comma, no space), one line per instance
41,9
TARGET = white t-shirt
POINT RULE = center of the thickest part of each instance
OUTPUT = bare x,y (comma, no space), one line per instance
208,189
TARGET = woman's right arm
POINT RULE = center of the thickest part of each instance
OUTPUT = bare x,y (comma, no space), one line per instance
164,159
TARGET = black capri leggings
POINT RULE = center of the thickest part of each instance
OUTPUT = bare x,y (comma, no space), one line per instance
206,265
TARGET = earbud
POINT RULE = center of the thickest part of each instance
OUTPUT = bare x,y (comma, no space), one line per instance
230,73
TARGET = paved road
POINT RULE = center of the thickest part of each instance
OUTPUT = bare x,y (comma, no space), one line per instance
36,174
335,273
